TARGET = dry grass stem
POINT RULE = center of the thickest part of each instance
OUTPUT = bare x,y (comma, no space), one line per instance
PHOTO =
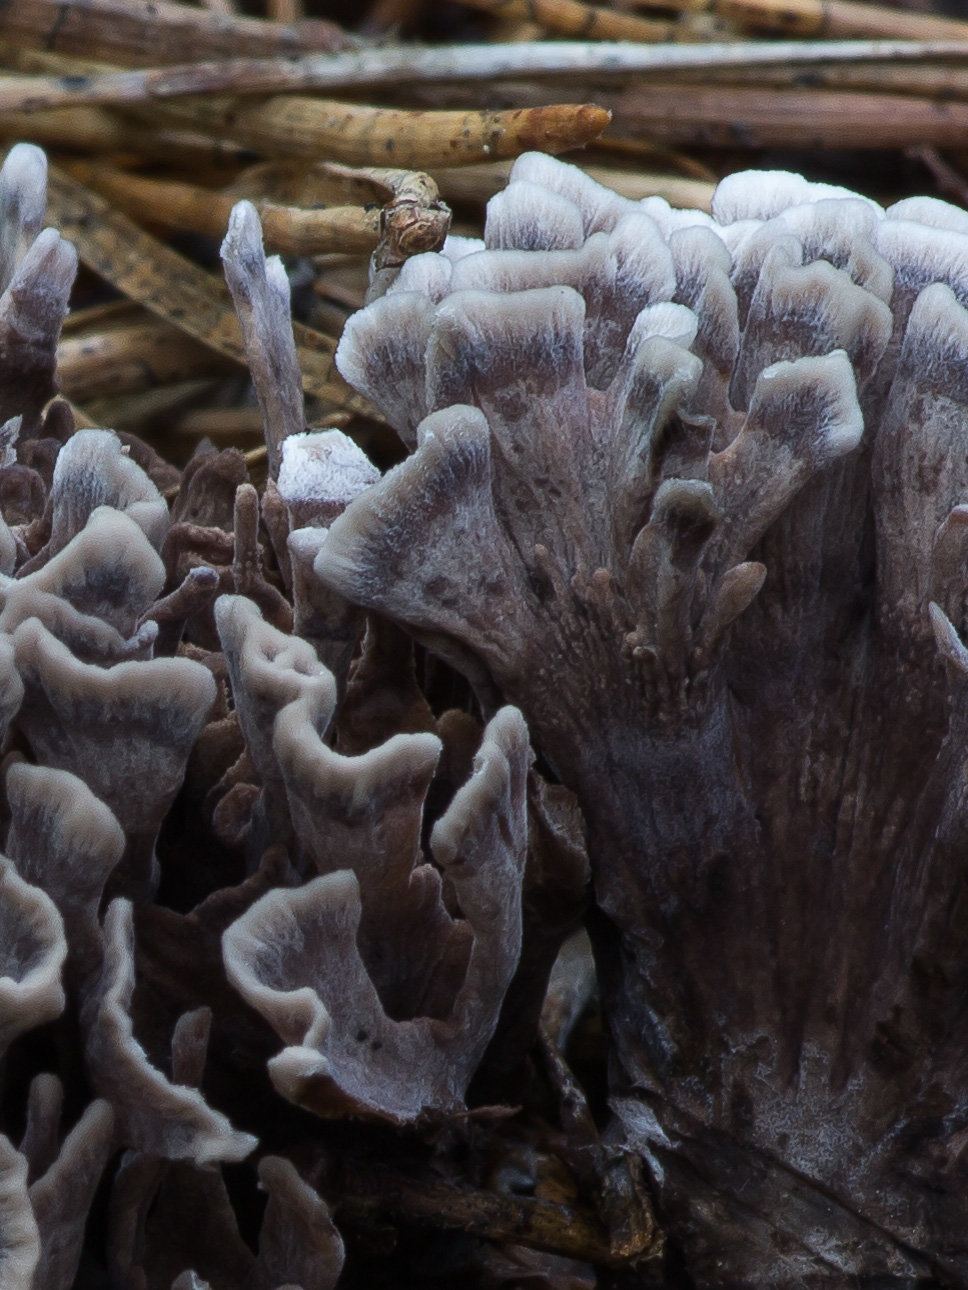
226,424
361,136
921,80
152,413
571,18
95,130
838,19
74,82
288,229
952,185
140,353
146,32
726,116
284,10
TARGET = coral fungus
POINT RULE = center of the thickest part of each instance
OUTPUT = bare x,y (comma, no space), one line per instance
687,490
303,788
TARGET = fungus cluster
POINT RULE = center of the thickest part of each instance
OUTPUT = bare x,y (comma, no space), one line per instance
175,776
689,491
679,546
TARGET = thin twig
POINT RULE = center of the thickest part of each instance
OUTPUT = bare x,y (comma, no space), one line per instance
366,136
920,80
572,18
587,60
288,229
141,353
951,183
837,18
285,10
93,129
747,117
156,31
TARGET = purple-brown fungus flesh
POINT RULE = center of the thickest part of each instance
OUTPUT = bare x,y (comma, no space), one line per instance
689,491
541,863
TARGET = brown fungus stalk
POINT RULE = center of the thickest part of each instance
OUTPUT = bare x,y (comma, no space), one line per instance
688,491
